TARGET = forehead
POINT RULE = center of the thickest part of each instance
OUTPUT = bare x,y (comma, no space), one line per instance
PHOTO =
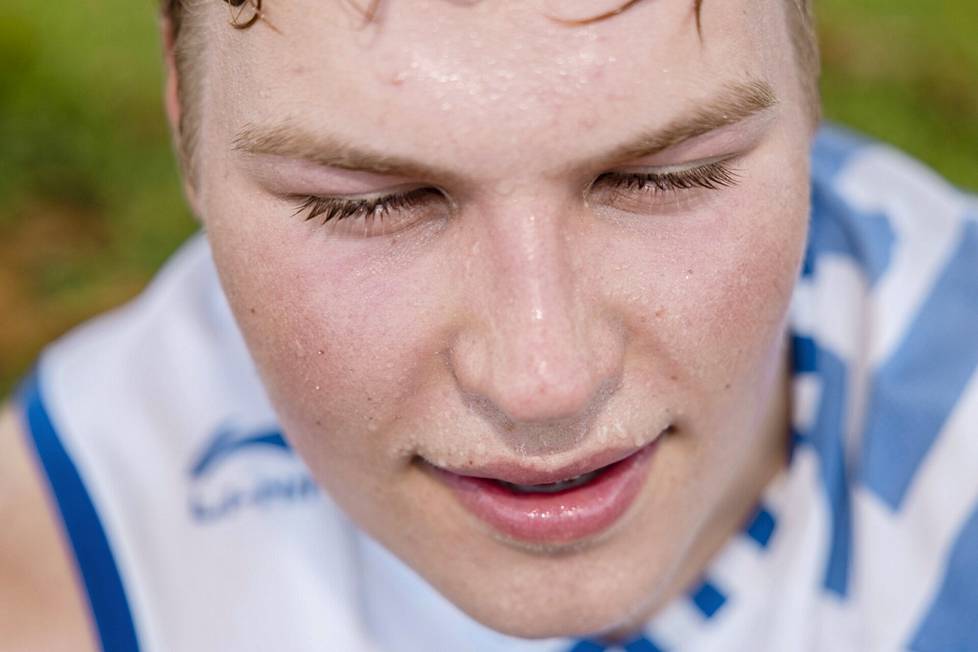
489,80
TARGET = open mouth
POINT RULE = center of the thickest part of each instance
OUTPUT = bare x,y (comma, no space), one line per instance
553,508
552,487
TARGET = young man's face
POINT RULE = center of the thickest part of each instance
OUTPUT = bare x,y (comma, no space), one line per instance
580,265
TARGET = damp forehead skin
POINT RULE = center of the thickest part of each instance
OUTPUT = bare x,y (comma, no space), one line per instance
532,326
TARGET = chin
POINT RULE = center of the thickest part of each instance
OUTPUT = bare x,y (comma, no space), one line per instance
564,615
577,594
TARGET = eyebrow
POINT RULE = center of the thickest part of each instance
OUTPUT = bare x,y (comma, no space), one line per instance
735,103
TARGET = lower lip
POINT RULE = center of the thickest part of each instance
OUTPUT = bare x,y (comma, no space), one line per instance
565,517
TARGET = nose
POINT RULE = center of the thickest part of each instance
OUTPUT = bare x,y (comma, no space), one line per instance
538,344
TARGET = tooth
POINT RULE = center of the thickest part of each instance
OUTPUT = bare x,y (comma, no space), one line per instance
552,487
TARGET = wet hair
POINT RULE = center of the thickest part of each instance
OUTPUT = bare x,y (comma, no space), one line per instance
186,39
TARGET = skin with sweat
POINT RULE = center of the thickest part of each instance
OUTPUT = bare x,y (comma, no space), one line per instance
525,310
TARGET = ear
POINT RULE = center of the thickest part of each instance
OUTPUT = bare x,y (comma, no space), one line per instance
171,101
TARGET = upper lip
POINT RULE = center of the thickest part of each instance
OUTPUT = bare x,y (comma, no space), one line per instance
516,473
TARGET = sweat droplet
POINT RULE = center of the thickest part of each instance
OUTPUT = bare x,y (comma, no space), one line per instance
620,431
603,434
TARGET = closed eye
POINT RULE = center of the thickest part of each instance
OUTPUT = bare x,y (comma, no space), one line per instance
384,214
394,211
711,176
370,209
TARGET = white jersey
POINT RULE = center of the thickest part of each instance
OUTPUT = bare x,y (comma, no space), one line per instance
195,528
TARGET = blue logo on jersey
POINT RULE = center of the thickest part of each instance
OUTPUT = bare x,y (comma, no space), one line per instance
226,443
219,487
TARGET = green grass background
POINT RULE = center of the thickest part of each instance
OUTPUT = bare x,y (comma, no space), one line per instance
90,203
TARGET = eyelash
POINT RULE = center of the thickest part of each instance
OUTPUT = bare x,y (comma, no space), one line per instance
336,209
712,176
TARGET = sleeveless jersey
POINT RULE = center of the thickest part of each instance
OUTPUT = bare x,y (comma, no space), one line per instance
194,527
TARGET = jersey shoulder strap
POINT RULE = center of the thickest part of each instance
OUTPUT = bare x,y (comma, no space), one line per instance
193,524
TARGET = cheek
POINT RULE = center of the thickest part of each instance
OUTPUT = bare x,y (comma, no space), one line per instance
746,301
747,283
338,343
707,300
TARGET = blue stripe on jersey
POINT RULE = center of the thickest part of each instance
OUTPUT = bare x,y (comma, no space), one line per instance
106,595
795,438
587,646
642,644
638,644
950,623
831,152
826,436
708,599
837,228
833,148
761,527
917,388
803,354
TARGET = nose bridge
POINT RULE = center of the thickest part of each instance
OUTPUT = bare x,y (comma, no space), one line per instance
538,331
535,350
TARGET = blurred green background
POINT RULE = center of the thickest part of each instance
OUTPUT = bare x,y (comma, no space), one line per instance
90,202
